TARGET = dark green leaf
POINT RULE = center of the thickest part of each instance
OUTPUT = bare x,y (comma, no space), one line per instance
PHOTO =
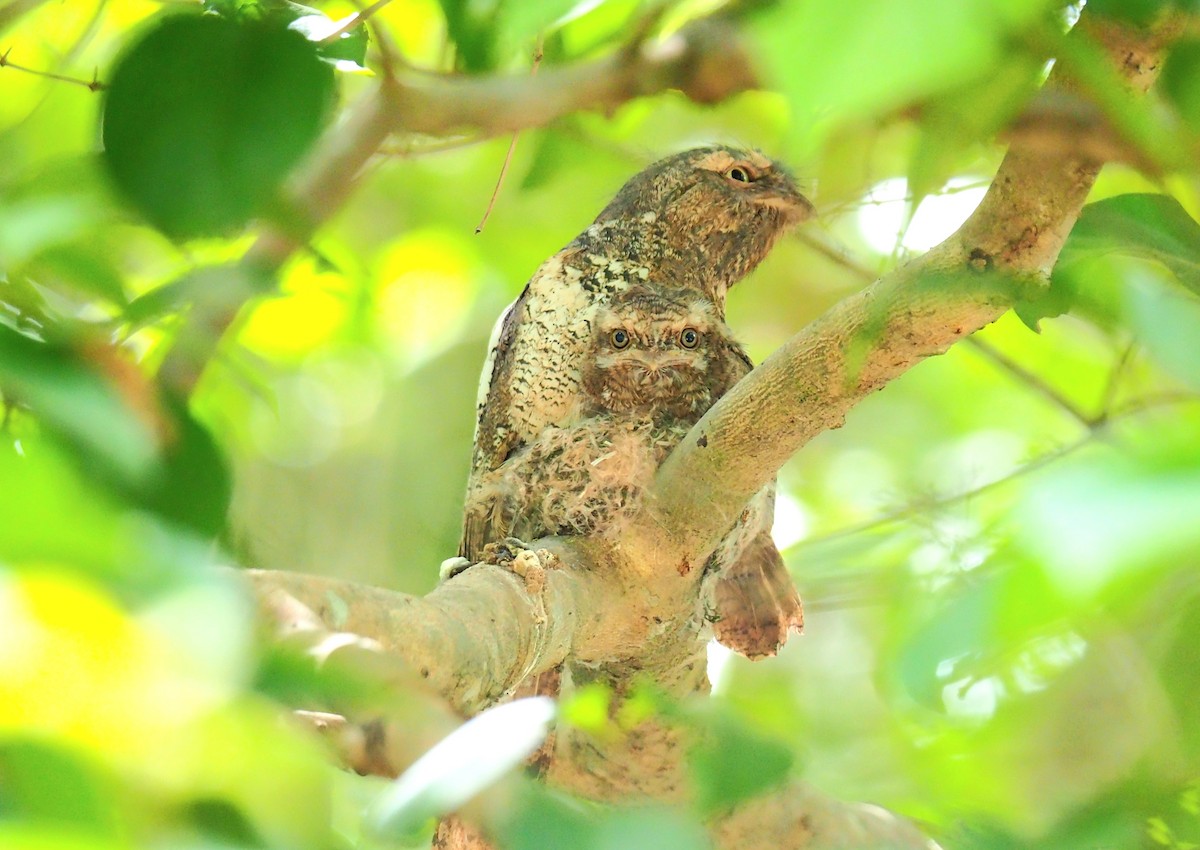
193,486
469,25
1135,11
205,117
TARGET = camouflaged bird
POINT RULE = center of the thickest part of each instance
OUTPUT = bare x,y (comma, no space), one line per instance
688,227
659,359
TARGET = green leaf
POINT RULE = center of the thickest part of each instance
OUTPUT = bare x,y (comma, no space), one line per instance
1181,80
838,61
82,267
205,117
193,486
31,225
1140,12
103,538
470,26
73,400
521,21
545,819
44,782
1093,526
1149,226
735,763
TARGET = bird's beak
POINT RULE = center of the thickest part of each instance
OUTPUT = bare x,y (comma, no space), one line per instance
794,207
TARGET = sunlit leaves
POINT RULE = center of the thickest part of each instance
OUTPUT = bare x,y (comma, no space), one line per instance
126,713
839,61
205,117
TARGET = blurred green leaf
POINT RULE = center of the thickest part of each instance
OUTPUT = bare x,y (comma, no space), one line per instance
470,26
70,397
82,267
1140,12
47,784
1153,227
204,118
1093,524
954,123
839,61
19,836
521,21
1167,323
31,225
734,763
545,819
1181,80
193,485
555,152
104,538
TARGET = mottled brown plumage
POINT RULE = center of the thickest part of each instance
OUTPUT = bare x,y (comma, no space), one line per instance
658,361
682,231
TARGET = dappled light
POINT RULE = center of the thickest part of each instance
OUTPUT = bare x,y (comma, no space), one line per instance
245,303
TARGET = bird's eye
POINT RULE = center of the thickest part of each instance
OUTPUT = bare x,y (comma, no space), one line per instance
619,339
740,173
689,338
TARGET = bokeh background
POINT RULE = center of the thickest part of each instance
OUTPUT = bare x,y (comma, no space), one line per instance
998,552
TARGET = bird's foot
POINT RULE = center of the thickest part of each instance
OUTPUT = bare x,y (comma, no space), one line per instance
503,552
528,563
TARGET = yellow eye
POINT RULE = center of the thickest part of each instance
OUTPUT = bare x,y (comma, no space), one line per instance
741,174
689,338
619,339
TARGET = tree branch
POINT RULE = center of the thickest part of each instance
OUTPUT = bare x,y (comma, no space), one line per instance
1001,253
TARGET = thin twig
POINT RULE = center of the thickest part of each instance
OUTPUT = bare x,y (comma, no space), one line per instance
1114,380
354,20
512,146
410,148
91,85
1135,409
1033,381
838,255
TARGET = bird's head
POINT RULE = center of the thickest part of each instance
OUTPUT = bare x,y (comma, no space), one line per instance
660,353
722,206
